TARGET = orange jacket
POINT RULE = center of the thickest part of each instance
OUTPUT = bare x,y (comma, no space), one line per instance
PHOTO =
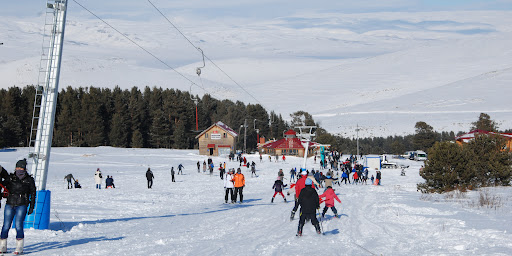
239,180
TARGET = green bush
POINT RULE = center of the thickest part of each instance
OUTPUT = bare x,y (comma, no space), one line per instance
479,163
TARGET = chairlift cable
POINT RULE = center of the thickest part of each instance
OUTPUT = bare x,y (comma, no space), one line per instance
141,47
204,56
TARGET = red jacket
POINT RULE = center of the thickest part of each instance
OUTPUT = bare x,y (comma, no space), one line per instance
329,197
299,185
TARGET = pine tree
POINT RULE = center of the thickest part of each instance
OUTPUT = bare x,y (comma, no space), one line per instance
425,136
485,123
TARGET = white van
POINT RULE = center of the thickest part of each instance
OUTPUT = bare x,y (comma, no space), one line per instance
420,155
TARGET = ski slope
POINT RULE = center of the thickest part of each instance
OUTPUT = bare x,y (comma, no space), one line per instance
189,217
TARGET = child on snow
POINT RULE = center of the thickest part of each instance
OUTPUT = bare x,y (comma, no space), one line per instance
329,201
309,202
278,186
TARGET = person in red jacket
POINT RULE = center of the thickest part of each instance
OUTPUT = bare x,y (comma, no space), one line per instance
299,185
329,201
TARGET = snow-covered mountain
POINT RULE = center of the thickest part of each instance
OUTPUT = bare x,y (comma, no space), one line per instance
383,71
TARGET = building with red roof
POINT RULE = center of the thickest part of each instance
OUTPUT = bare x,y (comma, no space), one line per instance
290,145
465,138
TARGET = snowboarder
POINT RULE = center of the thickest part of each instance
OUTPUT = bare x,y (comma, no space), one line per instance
309,203
278,188
109,182
149,177
229,185
239,181
172,174
329,201
180,169
98,178
22,195
69,177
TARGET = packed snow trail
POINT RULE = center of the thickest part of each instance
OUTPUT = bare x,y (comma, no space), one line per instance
189,216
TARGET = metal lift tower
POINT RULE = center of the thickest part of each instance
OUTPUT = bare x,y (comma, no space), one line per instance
45,103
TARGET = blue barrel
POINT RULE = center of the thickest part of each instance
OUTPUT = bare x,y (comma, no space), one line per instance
40,218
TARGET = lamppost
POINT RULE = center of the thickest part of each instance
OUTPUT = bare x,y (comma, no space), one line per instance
357,139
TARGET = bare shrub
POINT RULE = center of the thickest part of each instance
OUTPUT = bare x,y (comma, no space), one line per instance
489,200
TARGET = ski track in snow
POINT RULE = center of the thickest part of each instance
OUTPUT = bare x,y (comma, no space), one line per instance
188,217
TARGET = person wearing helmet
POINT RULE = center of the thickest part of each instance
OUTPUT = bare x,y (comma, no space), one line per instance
239,181
229,185
309,203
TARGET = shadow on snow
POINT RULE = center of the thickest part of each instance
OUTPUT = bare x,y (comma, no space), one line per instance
67,226
44,246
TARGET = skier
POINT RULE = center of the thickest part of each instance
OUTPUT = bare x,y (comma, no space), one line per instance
221,172
356,178
98,178
239,181
299,185
204,166
180,169
261,158
309,203
278,188
372,178
329,180
280,174
69,177
292,174
229,186
149,177
22,195
253,170
198,166
284,158
172,174
329,201
109,182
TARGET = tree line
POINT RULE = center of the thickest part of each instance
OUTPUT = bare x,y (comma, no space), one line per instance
165,118
152,118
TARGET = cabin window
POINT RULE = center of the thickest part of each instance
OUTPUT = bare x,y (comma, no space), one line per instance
225,135
206,135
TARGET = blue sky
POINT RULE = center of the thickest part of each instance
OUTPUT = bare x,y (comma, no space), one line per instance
255,8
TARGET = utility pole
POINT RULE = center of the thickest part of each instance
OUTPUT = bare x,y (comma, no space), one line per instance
357,139
257,133
245,136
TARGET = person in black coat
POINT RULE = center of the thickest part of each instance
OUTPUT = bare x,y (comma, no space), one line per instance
309,203
149,177
21,195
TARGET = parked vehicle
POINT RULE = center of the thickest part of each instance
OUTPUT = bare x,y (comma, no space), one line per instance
420,155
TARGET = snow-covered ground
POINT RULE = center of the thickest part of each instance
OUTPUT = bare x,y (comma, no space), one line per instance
189,217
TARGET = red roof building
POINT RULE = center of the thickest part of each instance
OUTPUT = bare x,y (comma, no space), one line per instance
290,145
465,138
